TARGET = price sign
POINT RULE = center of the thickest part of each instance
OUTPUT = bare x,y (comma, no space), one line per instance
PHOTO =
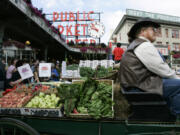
25,71
44,69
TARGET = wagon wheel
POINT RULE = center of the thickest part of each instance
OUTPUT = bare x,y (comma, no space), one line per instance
9,126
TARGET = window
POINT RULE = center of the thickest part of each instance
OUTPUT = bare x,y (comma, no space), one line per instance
159,34
159,43
119,36
115,40
175,34
176,46
167,43
167,33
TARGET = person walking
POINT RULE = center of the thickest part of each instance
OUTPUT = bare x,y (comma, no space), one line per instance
118,52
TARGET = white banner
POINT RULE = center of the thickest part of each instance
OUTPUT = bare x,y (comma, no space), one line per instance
44,69
63,69
25,71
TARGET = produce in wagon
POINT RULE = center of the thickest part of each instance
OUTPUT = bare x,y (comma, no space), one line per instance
96,101
69,94
44,101
15,99
90,97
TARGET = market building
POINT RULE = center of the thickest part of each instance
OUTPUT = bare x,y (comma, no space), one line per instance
168,34
20,21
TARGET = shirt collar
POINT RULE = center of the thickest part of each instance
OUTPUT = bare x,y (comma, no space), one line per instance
141,37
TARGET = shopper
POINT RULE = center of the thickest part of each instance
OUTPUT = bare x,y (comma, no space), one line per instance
10,70
118,52
54,73
16,78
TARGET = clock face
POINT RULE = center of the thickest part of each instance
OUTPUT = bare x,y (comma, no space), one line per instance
96,29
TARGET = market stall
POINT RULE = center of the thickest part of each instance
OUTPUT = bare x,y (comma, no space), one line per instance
92,105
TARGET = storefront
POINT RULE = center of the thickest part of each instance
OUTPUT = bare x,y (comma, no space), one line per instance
15,49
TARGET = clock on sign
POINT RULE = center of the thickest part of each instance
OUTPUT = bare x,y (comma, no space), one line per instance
96,29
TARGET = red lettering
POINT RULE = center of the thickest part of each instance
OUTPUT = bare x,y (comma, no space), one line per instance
110,44
77,41
84,28
84,15
78,18
71,16
62,16
164,51
55,16
92,41
85,40
76,30
67,41
68,30
90,19
44,68
60,29
169,47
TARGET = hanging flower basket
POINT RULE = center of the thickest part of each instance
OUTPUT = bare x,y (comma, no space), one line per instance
13,42
176,55
83,49
39,13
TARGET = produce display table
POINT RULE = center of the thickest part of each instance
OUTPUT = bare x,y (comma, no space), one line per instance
28,118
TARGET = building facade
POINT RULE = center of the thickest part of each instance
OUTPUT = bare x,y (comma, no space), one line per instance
168,35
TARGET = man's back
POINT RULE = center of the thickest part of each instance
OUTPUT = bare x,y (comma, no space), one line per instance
118,52
133,72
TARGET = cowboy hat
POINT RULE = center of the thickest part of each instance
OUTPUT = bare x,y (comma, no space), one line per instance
143,22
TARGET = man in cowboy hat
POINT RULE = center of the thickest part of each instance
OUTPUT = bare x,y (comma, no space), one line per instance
143,68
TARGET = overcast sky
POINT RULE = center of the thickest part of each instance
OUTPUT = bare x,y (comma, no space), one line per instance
113,10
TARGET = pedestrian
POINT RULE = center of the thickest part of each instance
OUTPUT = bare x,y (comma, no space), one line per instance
57,66
16,78
54,73
143,68
118,52
11,69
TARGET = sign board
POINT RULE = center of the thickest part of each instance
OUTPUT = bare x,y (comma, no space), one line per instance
44,69
69,73
152,15
13,111
82,63
25,71
32,112
63,68
41,112
88,63
94,63
104,63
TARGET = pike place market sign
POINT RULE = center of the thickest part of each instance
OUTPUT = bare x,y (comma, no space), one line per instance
156,16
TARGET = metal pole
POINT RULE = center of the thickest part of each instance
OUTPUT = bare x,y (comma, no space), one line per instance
1,40
6,58
99,21
46,53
